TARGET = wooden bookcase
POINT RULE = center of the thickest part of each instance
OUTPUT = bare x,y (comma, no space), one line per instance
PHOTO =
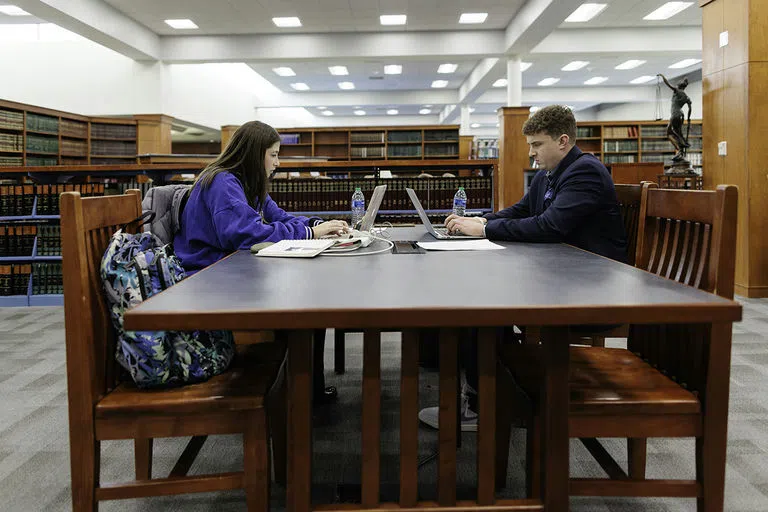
372,143
629,142
37,136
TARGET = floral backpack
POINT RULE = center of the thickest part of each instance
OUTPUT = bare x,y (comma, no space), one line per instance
134,268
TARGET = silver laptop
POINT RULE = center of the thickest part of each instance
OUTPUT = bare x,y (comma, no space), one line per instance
373,209
441,233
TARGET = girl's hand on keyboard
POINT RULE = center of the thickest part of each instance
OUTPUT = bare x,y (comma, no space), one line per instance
331,227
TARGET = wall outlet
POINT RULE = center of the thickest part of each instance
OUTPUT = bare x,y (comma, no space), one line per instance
722,148
723,39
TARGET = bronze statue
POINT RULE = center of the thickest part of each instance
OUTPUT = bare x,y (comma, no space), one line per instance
677,118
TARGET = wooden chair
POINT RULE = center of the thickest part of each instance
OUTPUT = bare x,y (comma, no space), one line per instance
667,382
104,406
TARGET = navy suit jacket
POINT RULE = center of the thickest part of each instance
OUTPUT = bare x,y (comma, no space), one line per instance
583,212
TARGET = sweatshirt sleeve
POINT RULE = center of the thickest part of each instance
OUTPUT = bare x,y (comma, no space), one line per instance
273,213
238,225
578,197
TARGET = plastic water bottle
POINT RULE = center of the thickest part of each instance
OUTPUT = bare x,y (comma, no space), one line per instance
358,207
460,202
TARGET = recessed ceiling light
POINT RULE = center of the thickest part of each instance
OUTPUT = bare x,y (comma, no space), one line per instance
392,112
445,69
425,111
473,17
472,109
427,106
284,71
575,65
501,82
667,10
525,65
338,70
327,113
346,85
642,79
475,125
12,10
300,86
393,69
393,19
685,63
438,84
630,64
533,109
585,12
359,112
549,81
287,22
321,108
181,24
497,125
596,80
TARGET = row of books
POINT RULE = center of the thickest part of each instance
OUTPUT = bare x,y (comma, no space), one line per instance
587,131
14,279
18,200
366,137
17,239
40,123
440,150
108,147
620,145
42,143
619,159
310,195
113,131
48,240
47,278
367,151
11,142
69,128
42,160
10,161
11,120
621,132
74,147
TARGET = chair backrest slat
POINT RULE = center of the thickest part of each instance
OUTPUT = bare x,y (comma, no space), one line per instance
87,225
628,197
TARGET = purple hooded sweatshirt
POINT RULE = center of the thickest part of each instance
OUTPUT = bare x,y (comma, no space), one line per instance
219,220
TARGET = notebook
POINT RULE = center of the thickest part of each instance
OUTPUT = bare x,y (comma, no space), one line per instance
296,248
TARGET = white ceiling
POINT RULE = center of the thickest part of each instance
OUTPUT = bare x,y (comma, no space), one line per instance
347,32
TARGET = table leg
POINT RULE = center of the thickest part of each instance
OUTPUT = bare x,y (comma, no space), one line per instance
486,394
299,383
554,418
371,422
409,419
448,416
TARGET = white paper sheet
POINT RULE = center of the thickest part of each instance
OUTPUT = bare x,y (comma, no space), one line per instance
461,245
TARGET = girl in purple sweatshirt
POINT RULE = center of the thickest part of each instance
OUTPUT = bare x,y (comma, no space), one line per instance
229,209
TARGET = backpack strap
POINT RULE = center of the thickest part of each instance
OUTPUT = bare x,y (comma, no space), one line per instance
145,218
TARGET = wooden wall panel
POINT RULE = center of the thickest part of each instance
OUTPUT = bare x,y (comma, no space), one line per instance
712,130
736,21
153,133
735,124
758,179
758,32
711,26
513,156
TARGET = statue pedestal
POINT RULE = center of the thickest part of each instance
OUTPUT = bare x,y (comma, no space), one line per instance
678,167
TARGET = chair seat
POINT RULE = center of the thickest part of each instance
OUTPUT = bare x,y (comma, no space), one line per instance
604,380
242,387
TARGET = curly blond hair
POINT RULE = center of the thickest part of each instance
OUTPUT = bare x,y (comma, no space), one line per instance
553,120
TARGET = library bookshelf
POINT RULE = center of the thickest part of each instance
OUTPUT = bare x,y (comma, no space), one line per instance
30,257
373,143
37,136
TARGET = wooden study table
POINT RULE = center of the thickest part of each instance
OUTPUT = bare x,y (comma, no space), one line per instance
549,285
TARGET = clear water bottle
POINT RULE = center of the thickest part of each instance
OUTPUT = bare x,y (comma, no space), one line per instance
460,202
358,207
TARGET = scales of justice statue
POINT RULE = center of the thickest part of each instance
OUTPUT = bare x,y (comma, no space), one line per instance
679,163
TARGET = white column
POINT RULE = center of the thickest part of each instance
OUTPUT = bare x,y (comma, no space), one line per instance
514,82
465,128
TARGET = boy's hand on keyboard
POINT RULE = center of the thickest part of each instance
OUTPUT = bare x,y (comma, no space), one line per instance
331,227
464,225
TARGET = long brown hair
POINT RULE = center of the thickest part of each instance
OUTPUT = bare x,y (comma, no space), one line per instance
244,158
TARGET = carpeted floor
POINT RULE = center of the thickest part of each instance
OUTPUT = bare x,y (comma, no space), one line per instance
34,456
